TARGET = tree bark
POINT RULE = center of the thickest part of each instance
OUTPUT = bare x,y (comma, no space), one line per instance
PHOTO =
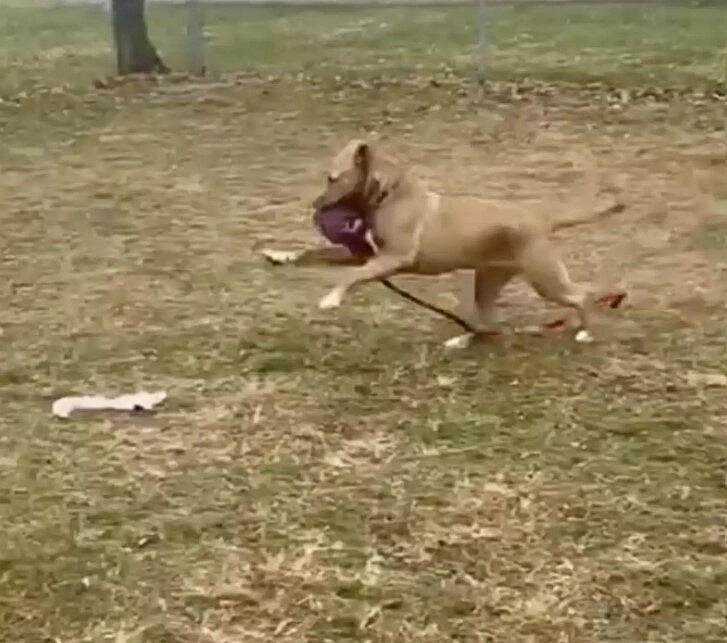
134,52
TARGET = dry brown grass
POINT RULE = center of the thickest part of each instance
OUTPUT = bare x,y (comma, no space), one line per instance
338,477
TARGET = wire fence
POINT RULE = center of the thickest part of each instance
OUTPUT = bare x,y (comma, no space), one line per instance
613,40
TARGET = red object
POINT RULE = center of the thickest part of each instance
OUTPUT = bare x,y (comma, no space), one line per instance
610,300
561,324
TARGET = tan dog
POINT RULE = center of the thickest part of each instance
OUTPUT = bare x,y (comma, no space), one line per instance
417,231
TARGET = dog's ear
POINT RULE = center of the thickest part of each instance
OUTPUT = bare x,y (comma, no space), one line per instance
362,157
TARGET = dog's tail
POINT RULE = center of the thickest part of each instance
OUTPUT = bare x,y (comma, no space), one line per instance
575,220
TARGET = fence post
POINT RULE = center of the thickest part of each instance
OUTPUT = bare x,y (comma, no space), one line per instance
195,38
480,52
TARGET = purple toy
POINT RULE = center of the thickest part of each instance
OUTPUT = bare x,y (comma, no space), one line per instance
344,226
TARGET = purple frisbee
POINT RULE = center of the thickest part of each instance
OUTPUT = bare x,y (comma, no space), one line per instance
344,226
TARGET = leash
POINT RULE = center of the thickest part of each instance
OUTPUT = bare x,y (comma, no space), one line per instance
435,309
609,300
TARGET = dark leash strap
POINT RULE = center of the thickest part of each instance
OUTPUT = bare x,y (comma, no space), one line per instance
435,309
609,300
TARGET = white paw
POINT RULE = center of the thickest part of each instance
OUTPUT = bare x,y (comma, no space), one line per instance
460,341
278,257
332,300
583,336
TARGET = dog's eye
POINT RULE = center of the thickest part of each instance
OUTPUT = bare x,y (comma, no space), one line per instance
330,179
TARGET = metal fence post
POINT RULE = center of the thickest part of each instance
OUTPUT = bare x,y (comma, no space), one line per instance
480,52
195,38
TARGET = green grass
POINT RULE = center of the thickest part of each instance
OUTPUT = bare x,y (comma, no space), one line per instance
621,45
713,237
712,234
339,477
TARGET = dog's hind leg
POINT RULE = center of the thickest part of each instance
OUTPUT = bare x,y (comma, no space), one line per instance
488,283
548,276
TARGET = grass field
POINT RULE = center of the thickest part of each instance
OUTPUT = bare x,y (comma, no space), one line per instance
318,477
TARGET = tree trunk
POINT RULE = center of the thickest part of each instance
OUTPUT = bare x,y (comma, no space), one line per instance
134,52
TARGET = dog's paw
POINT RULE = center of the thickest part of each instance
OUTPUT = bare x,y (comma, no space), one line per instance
279,257
584,336
459,342
332,300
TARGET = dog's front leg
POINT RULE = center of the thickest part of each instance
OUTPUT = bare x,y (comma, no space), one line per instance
323,256
378,267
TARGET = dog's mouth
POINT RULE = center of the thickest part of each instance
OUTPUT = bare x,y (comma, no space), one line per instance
347,202
363,204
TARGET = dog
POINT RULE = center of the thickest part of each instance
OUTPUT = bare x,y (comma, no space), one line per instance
413,230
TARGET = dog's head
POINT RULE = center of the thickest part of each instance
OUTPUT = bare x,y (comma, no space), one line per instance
352,178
